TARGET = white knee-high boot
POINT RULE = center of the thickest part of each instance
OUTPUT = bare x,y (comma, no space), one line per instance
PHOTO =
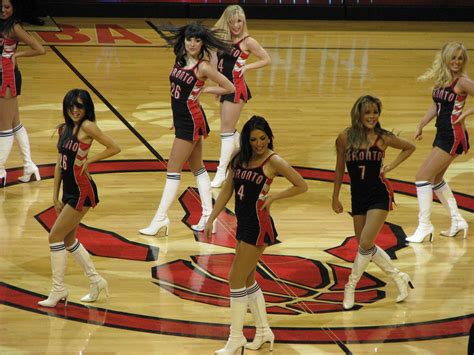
203,183
161,220
58,268
227,149
236,141
29,168
238,309
425,229
97,282
6,143
361,261
263,333
402,280
447,199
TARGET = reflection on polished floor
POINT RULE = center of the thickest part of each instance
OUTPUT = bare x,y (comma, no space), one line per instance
169,294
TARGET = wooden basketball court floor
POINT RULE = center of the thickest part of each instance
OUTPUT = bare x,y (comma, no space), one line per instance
168,295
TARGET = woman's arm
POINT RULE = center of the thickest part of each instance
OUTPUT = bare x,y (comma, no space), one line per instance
429,115
58,205
225,86
94,132
252,46
339,172
35,47
224,196
407,148
280,166
465,114
213,59
466,85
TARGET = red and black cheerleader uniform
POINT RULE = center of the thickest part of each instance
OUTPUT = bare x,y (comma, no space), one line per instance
79,190
229,65
254,226
189,119
452,138
369,187
10,75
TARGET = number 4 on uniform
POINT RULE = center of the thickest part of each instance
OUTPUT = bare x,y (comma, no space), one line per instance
241,192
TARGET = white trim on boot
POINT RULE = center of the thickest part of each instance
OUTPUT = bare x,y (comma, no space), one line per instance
203,183
58,269
263,333
97,282
238,309
6,143
402,280
361,261
227,150
29,168
425,229
447,199
161,220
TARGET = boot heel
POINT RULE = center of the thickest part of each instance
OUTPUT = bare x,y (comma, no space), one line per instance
271,345
411,285
464,234
37,175
54,298
202,225
28,174
156,226
3,176
431,237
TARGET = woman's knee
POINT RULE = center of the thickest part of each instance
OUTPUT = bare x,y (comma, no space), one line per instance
55,237
236,279
423,176
250,280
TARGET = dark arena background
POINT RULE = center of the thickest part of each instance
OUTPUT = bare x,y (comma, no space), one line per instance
432,10
169,294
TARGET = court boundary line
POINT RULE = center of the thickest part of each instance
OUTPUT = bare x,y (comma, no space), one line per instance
107,103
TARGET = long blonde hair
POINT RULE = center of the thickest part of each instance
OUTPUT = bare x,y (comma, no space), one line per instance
223,23
440,70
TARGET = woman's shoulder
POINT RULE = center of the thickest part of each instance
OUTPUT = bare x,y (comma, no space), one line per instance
203,63
464,79
202,68
61,128
248,42
275,161
343,134
88,126
17,30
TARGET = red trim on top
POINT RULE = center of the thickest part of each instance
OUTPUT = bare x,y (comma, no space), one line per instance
264,219
458,130
197,115
8,77
82,180
239,80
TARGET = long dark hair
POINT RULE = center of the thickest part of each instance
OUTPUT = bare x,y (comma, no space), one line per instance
70,100
356,134
176,36
242,158
6,26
